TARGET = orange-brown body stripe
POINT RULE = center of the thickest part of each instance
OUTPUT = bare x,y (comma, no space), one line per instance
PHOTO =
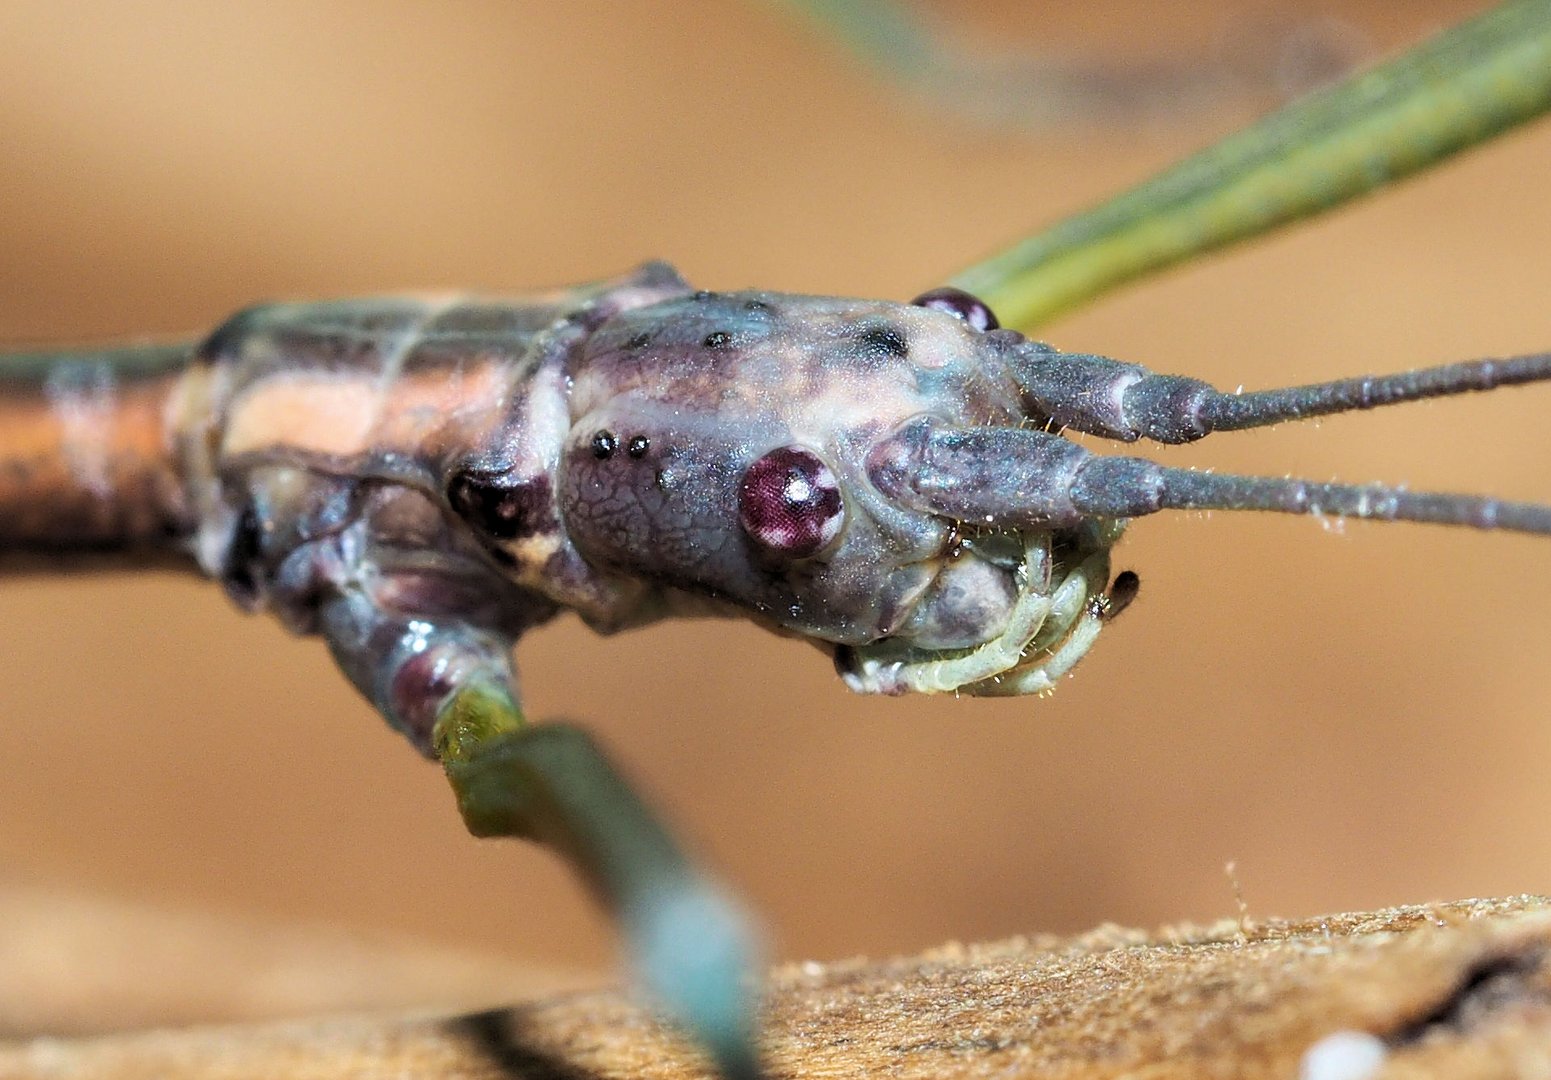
88,465
344,415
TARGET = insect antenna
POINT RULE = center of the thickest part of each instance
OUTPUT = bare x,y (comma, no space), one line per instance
1184,489
1117,400
1236,412
1130,487
1017,477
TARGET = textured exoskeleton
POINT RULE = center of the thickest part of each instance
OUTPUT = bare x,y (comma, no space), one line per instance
419,481
887,481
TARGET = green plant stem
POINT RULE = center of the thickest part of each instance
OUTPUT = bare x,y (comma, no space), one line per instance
1459,89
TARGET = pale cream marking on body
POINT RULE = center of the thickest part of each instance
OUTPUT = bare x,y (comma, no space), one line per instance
531,554
346,415
81,397
319,412
547,421
933,346
393,359
421,404
187,418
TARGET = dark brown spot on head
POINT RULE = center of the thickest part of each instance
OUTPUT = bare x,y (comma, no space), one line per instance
884,340
638,341
240,566
500,507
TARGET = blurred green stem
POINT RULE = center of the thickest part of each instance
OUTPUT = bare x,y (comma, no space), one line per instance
691,944
1460,88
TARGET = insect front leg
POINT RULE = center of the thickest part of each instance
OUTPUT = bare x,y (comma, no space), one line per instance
1078,611
449,686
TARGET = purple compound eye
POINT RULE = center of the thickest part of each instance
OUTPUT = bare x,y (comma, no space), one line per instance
789,503
971,309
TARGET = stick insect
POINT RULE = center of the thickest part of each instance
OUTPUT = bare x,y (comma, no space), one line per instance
514,458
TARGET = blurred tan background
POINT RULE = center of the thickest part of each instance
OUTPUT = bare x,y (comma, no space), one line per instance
1357,716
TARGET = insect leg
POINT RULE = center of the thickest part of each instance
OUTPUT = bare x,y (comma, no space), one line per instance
1075,622
450,687
1071,600
1100,396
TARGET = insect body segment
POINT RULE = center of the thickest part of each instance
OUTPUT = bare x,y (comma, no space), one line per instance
420,481
86,469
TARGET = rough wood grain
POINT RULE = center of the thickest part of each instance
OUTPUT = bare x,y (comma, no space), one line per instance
1460,990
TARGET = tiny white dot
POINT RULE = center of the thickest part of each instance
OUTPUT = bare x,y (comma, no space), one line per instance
1343,1055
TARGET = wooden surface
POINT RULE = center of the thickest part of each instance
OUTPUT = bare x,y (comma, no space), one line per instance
73,963
1456,990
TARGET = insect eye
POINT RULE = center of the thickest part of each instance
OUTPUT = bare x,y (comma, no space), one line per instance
499,511
974,311
789,503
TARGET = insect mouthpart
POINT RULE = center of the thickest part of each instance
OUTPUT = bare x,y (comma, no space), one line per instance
1056,607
